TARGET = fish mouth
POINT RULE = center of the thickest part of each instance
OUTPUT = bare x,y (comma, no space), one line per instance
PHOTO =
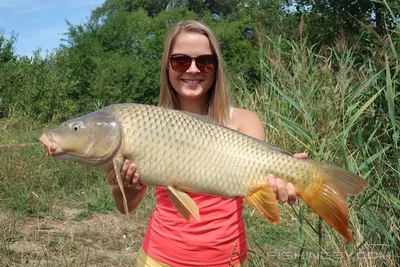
51,147
54,150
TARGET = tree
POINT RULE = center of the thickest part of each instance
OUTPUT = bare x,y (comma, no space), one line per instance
324,19
7,48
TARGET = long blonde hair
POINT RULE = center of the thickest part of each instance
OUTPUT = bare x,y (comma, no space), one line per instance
217,106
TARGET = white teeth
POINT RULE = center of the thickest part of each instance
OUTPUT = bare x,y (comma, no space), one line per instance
192,81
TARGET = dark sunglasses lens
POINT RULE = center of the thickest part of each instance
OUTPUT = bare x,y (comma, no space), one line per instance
206,63
180,63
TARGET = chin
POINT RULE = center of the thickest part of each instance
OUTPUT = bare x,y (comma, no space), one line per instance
193,95
190,91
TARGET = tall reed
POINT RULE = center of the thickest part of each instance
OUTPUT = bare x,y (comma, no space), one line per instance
341,109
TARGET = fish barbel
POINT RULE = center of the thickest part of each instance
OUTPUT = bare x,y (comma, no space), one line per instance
184,152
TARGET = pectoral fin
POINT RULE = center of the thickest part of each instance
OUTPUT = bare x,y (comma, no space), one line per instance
263,199
183,203
117,168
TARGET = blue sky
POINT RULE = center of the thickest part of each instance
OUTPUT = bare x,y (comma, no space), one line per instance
41,23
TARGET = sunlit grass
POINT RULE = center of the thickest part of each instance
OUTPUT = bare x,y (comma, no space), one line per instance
323,102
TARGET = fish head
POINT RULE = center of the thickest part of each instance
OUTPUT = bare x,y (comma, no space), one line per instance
92,139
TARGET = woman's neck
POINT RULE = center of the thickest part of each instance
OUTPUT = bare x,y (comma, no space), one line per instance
193,105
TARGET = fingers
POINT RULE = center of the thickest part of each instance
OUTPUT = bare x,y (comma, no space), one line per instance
135,179
281,192
129,175
271,181
124,168
301,155
292,197
284,193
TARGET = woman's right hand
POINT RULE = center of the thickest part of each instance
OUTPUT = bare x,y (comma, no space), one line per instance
128,173
134,191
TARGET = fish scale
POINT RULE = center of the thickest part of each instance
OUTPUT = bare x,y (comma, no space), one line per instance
187,152
254,167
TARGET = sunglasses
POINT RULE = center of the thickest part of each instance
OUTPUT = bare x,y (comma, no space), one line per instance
182,62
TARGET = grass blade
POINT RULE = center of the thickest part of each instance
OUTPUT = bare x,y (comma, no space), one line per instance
390,94
359,112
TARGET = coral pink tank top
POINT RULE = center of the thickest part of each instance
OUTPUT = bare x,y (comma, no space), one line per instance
219,239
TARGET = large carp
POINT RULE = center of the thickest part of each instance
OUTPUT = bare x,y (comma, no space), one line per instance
187,152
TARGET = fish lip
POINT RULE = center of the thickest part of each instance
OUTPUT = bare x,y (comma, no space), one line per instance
48,143
44,140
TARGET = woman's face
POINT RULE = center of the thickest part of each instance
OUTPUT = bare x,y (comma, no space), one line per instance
191,84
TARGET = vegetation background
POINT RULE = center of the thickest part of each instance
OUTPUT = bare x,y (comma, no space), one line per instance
323,75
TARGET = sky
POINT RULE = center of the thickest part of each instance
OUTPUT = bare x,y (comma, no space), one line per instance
41,23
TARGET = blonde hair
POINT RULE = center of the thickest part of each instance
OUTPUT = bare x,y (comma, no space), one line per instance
217,107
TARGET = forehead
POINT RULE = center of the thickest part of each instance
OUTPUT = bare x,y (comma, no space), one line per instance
192,44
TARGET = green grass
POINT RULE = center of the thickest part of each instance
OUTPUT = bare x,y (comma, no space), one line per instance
326,102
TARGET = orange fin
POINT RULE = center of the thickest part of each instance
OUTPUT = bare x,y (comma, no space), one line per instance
183,203
327,195
263,199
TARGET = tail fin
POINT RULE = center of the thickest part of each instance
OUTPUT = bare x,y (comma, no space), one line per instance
327,195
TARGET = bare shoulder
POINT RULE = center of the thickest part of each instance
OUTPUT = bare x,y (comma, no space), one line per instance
248,122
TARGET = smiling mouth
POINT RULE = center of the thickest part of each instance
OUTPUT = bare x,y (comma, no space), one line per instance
192,81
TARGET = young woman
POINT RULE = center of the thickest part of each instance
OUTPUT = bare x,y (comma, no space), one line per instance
193,79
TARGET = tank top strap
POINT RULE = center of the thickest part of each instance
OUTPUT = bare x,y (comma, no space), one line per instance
231,112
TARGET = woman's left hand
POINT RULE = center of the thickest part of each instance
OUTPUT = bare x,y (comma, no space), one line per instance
285,192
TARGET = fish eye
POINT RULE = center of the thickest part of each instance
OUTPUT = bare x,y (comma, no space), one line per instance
76,126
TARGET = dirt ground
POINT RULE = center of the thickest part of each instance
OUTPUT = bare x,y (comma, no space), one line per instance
111,239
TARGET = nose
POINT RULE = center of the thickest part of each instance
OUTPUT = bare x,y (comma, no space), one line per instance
193,68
